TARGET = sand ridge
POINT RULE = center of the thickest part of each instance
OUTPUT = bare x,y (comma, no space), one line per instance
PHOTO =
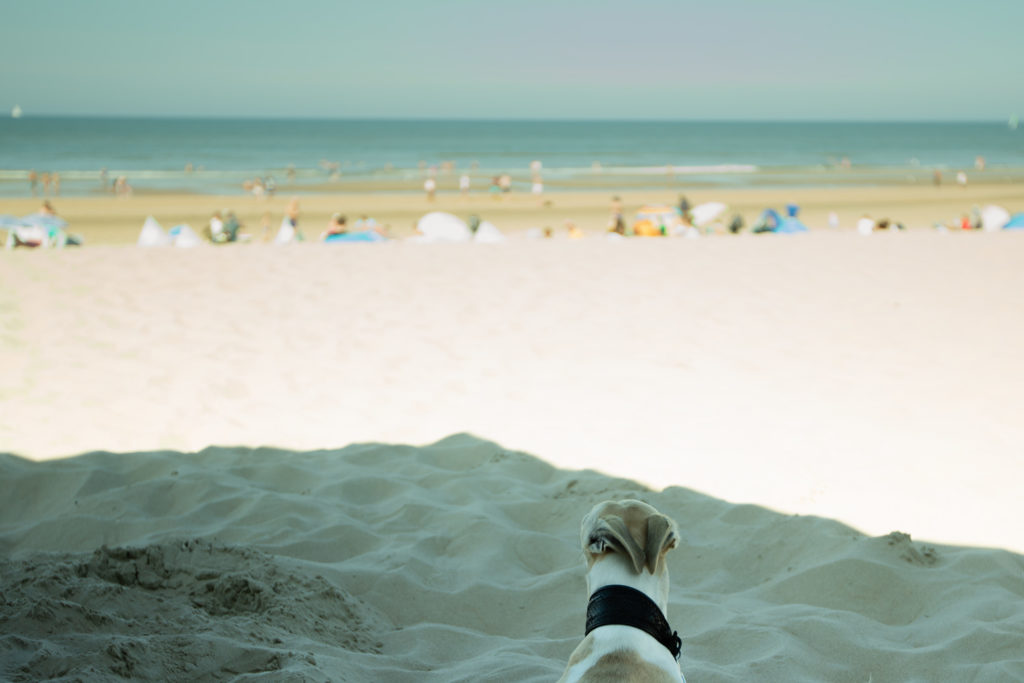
456,561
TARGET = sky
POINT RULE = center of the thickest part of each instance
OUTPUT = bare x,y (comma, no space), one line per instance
587,59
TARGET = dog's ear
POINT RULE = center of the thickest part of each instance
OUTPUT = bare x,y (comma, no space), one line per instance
610,534
661,537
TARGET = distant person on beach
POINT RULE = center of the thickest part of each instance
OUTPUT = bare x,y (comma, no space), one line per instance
615,221
865,226
56,183
289,230
293,215
33,182
961,179
366,223
265,229
338,225
216,228
45,180
979,163
736,224
430,187
833,220
464,184
684,209
505,182
231,226
937,177
495,186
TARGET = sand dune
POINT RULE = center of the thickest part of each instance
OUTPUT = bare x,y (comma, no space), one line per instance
452,562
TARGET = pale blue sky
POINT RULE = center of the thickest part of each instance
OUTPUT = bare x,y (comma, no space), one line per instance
667,59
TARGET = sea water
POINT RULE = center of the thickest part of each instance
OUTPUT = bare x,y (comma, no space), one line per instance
221,153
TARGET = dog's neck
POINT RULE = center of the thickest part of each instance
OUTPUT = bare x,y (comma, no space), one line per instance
615,570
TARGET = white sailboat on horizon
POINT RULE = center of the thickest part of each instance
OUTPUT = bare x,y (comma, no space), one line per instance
16,112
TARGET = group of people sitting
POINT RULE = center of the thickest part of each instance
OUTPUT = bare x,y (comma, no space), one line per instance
223,227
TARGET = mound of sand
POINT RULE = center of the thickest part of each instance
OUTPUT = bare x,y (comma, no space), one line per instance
457,561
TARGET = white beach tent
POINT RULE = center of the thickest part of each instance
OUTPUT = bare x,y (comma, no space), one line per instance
286,233
706,213
488,233
153,235
184,236
994,217
438,226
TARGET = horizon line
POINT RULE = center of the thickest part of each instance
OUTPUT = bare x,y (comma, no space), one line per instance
488,119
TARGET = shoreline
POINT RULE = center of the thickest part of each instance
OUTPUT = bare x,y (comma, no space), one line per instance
14,184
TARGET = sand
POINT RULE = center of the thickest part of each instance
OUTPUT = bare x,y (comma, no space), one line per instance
369,463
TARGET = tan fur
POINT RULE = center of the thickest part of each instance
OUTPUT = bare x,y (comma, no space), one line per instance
624,666
631,527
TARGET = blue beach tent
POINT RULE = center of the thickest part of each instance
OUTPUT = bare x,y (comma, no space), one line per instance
356,236
791,225
1016,222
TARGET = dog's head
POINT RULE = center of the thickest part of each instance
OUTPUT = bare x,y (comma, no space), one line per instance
629,527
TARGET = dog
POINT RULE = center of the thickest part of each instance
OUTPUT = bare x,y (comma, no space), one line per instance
628,639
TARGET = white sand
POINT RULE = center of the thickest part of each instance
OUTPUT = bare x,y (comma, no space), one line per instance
875,382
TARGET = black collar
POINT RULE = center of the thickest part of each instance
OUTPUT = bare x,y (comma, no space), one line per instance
625,606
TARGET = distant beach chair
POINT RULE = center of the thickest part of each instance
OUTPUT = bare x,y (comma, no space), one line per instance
37,230
656,221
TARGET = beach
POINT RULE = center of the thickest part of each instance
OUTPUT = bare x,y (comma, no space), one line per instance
109,220
369,462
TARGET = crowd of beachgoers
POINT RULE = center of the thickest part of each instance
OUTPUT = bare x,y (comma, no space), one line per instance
45,228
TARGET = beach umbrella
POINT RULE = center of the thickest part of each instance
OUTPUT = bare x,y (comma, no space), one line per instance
1016,222
45,220
9,221
706,213
438,226
994,217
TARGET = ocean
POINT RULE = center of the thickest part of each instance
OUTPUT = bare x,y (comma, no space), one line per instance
393,154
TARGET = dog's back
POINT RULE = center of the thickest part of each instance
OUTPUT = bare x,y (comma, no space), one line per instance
594,663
